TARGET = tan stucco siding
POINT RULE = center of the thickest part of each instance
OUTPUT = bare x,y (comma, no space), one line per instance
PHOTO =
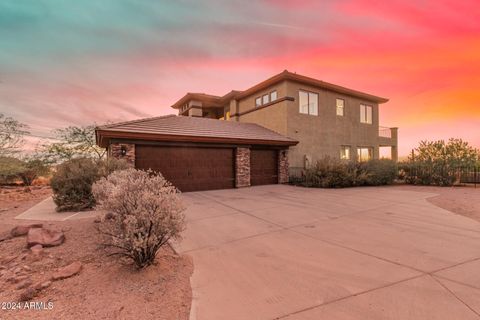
273,117
324,134
248,103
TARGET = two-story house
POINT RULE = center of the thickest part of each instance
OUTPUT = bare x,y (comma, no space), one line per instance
284,123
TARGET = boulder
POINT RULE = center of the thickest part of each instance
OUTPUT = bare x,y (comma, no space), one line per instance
44,237
37,250
19,231
67,271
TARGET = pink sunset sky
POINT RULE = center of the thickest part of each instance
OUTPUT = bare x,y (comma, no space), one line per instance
76,63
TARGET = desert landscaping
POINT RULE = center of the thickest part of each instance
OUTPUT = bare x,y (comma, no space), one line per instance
77,277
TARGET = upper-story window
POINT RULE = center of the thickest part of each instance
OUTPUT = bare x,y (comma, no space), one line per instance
340,107
265,99
308,102
273,95
366,114
258,102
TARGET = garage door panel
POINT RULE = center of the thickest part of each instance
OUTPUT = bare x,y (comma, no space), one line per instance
190,168
263,166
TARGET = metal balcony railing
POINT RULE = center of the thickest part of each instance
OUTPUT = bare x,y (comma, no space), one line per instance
384,132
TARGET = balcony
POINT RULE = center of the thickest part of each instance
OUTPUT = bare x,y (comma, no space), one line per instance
385,132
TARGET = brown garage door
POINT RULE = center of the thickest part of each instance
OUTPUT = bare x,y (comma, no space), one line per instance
189,168
263,167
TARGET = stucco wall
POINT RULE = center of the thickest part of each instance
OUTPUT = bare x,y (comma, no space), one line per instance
324,134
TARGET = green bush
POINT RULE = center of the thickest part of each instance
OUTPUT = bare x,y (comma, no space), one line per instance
72,182
334,173
329,173
376,172
439,162
10,169
27,170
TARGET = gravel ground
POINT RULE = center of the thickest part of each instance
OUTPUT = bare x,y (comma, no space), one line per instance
106,288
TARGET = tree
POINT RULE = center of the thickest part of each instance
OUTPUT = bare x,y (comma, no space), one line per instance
454,153
11,135
27,170
34,167
74,142
440,162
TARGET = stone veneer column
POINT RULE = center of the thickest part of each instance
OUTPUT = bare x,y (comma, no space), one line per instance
283,166
242,167
115,151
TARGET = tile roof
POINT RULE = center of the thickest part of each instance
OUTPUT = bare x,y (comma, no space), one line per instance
217,101
182,128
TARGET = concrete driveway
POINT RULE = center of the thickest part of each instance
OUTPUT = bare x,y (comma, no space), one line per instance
282,252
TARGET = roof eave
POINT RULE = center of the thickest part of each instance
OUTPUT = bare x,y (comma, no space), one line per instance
103,136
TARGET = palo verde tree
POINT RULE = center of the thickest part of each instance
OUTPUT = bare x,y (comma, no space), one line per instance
73,142
12,133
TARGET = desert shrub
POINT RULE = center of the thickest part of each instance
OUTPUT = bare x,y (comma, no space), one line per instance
439,162
10,168
334,173
26,170
329,173
33,168
376,172
144,212
72,182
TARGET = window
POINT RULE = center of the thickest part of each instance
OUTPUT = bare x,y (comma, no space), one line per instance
308,103
265,99
364,154
365,114
258,102
340,107
345,152
273,95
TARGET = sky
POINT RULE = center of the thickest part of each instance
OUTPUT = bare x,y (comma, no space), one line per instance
78,62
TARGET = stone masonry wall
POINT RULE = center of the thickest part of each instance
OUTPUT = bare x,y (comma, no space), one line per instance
283,166
115,151
242,167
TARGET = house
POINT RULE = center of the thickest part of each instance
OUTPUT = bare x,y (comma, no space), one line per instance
283,124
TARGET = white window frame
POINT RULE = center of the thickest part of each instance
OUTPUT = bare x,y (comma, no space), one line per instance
258,102
273,95
341,107
265,99
366,114
345,152
310,108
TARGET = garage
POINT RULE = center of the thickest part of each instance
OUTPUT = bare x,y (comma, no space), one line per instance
190,168
263,166
197,154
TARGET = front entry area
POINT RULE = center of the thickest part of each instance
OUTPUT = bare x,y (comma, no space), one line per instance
189,168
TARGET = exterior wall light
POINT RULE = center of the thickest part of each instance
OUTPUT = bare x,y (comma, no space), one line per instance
123,151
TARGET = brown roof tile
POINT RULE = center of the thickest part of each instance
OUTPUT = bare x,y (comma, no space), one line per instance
181,128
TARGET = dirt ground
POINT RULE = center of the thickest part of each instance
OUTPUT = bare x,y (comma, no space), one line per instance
106,288
463,200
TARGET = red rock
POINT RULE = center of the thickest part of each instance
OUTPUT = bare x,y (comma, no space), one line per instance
67,271
25,283
23,230
43,285
37,250
45,237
